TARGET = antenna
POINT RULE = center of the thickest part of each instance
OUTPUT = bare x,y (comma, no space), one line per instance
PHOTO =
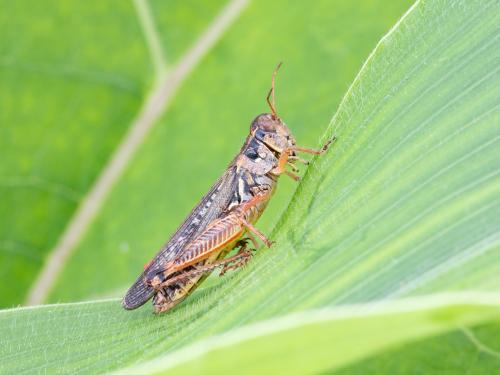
272,104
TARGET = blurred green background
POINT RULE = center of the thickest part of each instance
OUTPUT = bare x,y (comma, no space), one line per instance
74,76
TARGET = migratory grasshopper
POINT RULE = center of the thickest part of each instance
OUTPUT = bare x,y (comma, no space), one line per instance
223,220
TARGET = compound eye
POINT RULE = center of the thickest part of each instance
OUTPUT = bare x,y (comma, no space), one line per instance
260,134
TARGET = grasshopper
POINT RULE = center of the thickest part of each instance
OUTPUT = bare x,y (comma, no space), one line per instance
224,219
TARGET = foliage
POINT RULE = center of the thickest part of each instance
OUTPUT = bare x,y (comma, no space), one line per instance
388,253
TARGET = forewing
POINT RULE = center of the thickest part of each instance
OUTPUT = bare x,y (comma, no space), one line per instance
210,207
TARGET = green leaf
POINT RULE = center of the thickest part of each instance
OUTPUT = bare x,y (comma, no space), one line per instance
406,203
74,76
474,350
329,339
98,336
58,101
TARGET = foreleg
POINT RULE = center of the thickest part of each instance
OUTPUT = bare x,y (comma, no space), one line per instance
286,156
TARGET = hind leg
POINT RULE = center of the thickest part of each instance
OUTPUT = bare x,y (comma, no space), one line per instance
241,258
233,262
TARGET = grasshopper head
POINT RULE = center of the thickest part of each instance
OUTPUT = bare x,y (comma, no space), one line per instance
270,130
